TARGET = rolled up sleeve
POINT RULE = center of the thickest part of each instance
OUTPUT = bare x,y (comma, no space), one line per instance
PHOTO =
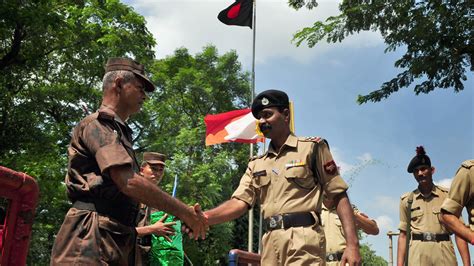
104,143
458,194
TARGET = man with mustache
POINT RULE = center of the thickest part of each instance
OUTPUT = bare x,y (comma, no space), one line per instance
102,180
420,210
288,181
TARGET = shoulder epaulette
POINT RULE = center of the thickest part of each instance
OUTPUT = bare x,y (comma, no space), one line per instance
443,188
468,164
105,116
405,195
311,139
256,157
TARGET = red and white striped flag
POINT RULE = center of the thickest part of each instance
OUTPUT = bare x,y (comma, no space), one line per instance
233,126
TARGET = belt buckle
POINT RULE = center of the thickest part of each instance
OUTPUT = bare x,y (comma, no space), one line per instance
275,222
331,257
429,236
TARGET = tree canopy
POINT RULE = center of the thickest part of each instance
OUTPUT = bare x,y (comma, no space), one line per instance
437,36
52,55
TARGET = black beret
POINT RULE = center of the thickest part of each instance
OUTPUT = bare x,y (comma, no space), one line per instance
420,159
123,63
269,98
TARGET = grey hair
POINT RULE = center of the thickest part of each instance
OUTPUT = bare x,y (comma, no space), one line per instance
110,77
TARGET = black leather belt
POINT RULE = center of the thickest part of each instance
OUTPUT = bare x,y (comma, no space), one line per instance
287,220
336,256
125,213
431,237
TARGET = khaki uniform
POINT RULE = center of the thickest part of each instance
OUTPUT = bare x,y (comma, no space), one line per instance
462,192
335,238
425,218
107,235
283,182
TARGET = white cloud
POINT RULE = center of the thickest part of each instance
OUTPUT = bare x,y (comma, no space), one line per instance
385,223
446,183
387,204
193,24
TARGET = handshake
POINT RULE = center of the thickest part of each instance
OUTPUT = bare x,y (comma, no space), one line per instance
196,223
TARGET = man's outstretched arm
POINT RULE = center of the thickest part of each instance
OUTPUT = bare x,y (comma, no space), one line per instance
227,211
144,191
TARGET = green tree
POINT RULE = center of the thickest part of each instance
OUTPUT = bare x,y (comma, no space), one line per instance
52,55
188,88
369,257
437,35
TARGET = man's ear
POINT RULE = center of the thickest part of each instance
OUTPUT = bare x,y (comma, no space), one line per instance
118,84
286,113
433,169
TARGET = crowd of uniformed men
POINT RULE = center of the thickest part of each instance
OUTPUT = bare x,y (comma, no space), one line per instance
308,217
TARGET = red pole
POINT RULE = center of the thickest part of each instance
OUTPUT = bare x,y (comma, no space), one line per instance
23,193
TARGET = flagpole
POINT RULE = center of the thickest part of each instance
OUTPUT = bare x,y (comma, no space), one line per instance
252,95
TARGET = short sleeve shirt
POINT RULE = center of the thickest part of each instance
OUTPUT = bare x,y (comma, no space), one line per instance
424,211
284,182
461,192
100,141
335,239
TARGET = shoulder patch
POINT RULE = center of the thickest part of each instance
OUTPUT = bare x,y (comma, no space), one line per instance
468,164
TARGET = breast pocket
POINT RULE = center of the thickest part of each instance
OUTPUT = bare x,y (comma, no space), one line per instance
260,179
299,175
416,216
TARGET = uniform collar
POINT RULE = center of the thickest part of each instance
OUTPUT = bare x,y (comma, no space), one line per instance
291,141
109,111
435,191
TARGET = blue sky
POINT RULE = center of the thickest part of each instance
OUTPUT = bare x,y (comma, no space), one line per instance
372,143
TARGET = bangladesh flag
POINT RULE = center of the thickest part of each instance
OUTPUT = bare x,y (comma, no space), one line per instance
239,13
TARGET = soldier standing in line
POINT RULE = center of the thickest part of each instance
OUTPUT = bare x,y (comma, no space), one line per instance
335,238
289,181
461,194
430,242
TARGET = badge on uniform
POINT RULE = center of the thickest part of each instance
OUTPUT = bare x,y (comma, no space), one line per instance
294,163
330,168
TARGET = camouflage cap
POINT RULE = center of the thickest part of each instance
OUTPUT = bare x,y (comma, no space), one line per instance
269,98
123,63
154,158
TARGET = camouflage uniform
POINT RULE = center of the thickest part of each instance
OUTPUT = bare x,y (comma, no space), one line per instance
100,227
284,183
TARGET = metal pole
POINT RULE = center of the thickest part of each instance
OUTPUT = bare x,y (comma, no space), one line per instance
254,27
390,247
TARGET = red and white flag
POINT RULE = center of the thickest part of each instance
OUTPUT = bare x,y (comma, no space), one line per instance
233,126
